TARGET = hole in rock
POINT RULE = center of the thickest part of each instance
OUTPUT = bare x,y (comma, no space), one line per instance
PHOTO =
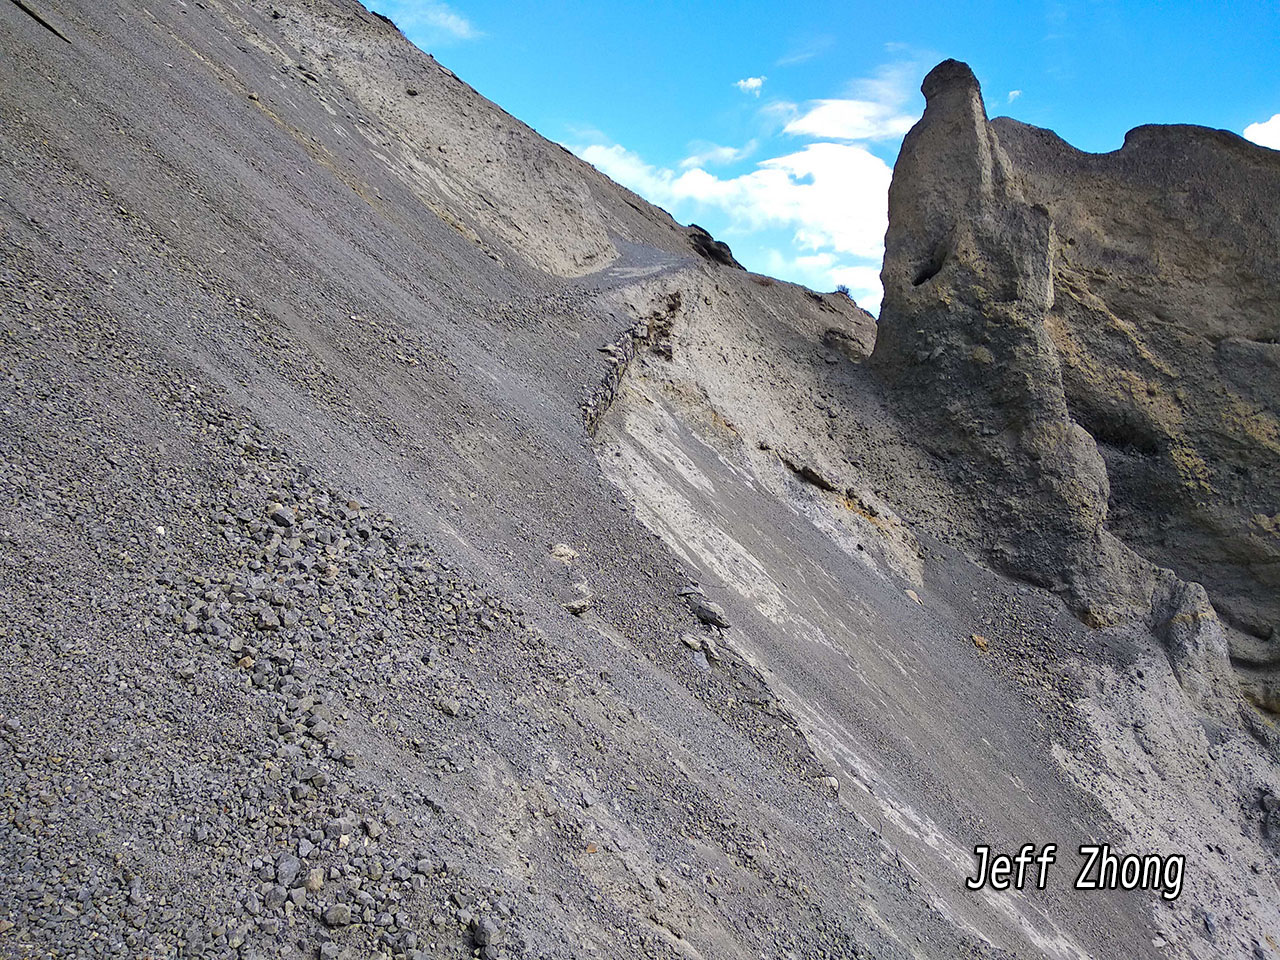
931,266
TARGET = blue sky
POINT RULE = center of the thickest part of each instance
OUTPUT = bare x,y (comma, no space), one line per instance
775,126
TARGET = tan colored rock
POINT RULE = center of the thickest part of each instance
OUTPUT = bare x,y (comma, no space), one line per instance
1166,275
1090,341
963,340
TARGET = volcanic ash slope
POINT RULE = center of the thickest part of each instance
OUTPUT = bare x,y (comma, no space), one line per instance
416,545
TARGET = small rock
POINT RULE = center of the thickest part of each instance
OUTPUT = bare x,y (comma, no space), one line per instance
708,611
581,600
564,553
337,915
449,706
287,868
484,930
275,897
578,606
281,515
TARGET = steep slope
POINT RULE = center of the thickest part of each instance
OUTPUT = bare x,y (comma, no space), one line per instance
958,428
360,452
247,713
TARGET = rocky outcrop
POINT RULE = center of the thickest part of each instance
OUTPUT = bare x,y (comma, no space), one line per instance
1089,339
968,284
1166,274
710,249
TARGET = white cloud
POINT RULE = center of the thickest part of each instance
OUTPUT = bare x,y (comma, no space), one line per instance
834,196
1265,134
830,196
438,15
778,108
435,20
875,110
712,155
775,113
806,52
893,84
850,120
1014,95
863,283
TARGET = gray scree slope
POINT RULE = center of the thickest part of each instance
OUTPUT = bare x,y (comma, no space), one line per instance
377,478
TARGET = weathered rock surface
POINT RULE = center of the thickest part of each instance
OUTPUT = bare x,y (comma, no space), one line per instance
1097,335
711,249
962,335
1166,275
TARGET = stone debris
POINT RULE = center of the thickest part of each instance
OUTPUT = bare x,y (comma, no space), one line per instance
564,553
250,302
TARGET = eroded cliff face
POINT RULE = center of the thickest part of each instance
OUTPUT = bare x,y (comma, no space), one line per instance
968,285
1164,316
1090,341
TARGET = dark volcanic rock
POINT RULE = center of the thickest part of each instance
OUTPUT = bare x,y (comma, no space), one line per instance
711,249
